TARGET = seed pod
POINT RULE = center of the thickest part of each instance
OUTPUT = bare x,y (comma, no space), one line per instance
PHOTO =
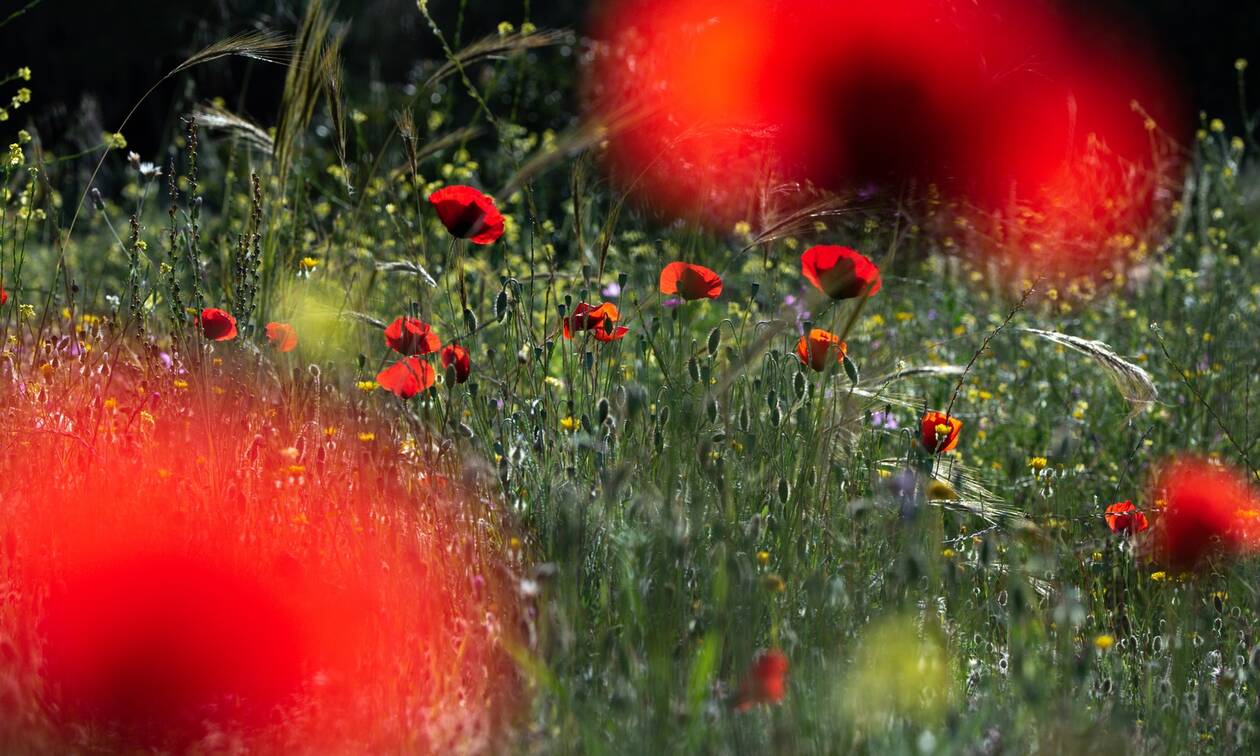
601,410
799,384
693,369
501,306
785,490
715,341
745,421
470,320
851,370
776,415
712,410
772,398
663,416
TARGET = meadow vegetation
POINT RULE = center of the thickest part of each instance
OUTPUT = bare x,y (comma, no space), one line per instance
680,536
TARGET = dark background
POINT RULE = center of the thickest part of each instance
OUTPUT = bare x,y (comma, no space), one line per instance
92,59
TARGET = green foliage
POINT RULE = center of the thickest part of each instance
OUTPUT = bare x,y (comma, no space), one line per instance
650,473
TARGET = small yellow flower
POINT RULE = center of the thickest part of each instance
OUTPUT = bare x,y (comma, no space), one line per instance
1104,642
309,263
180,384
1159,576
1038,463
763,557
111,404
514,543
367,437
367,386
948,553
570,423
114,141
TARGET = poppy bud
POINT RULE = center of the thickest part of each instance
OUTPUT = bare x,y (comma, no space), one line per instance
470,320
501,306
693,369
715,340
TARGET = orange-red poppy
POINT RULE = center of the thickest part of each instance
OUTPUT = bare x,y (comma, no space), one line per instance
411,336
939,432
4,296
1206,508
468,214
282,336
407,377
454,354
814,349
766,682
690,281
217,325
598,320
1123,517
840,272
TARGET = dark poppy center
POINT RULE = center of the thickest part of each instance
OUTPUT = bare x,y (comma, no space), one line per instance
841,281
469,221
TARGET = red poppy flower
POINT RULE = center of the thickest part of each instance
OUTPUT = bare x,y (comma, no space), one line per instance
840,272
282,336
598,320
454,354
939,432
468,214
4,296
1205,508
766,682
407,377
690,281
411,336
217,325
1123,517
813,350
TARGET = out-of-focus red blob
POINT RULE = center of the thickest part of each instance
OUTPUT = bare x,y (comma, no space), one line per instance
157,639
766,682
691,92
1004,106
240,575
1205,509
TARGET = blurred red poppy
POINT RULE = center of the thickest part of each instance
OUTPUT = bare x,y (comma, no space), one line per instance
217,325
840,272
454,354
468,214
411,336
4,296
766,682
1123,517
1206,508
407,377
813,350
690,281
282,336
939,432
598,320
